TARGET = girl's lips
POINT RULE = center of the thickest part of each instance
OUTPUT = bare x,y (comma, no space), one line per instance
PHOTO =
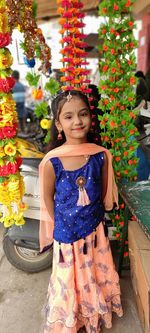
78,129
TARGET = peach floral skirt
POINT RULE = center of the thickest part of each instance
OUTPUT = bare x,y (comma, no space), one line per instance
84,289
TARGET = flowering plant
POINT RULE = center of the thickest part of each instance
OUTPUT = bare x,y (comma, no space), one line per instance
73,53
11,183
116,86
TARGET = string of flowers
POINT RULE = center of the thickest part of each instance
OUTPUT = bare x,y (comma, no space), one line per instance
42,97
75,76
11,182
117,90
21,15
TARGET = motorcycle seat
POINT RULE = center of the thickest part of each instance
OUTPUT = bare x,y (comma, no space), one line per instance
34,162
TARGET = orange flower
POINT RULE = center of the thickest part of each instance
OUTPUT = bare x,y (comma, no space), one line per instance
123,122
112,124
117,159
116,90
130,162
104,10
132,80
125,153
105,47
132,131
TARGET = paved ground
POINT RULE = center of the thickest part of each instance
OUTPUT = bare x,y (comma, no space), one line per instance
23,295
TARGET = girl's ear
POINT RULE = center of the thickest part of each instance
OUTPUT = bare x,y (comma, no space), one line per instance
58,125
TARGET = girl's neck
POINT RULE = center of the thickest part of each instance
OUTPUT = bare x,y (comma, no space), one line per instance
75,142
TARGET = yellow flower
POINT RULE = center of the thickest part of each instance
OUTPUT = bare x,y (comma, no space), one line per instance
8,221
2,154
10,150
6,60
45,123
2,4
20,221
4,23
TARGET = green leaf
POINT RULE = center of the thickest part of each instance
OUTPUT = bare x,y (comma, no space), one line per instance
52,86
32,79
41,110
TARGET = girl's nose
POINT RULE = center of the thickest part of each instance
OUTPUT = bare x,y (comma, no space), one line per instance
77,120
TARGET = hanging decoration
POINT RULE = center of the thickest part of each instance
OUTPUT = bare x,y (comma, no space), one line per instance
42,97
21,15
75,73
117,88
11,182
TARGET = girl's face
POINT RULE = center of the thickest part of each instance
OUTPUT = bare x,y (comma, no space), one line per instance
74,120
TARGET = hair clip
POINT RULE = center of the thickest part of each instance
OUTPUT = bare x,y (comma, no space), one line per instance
69,97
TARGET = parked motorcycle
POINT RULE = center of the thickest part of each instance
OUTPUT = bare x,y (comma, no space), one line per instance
21,244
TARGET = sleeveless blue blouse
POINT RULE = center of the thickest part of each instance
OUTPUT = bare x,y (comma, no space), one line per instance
74,222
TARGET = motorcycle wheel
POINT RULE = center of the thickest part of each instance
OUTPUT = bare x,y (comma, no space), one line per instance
27,260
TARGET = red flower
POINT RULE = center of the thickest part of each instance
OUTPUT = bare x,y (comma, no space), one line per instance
117,159
8,131
126,254
121,223
130,24
105,67
7,84
112,30
19,161
104,31
12,168
112,51
113,70
116,90
5,39
122,107
128,3
116,6
117,235
105,47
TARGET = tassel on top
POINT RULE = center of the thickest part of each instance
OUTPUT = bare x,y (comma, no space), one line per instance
83,199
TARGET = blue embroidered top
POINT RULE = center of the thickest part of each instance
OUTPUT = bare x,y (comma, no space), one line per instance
74,222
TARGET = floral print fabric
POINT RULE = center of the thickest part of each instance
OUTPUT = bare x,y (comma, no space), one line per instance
84,289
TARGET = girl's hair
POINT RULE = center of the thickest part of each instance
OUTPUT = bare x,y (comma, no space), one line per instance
56,107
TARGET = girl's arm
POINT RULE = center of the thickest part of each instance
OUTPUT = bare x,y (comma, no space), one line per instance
104,177
49,188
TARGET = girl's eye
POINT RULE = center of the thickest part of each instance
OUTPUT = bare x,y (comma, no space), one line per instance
68,117
84,114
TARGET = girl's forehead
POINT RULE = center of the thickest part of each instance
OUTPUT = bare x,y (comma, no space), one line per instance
75,104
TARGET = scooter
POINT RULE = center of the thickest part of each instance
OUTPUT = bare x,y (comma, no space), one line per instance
21,244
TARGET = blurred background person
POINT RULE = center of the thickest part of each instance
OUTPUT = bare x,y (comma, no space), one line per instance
19,94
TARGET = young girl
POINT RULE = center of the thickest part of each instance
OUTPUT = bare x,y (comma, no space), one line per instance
77,184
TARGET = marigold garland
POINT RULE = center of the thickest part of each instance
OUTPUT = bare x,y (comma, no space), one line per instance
20,14
117,90
11,182
74,74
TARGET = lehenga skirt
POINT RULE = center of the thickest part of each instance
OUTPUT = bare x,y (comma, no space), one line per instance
84,289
